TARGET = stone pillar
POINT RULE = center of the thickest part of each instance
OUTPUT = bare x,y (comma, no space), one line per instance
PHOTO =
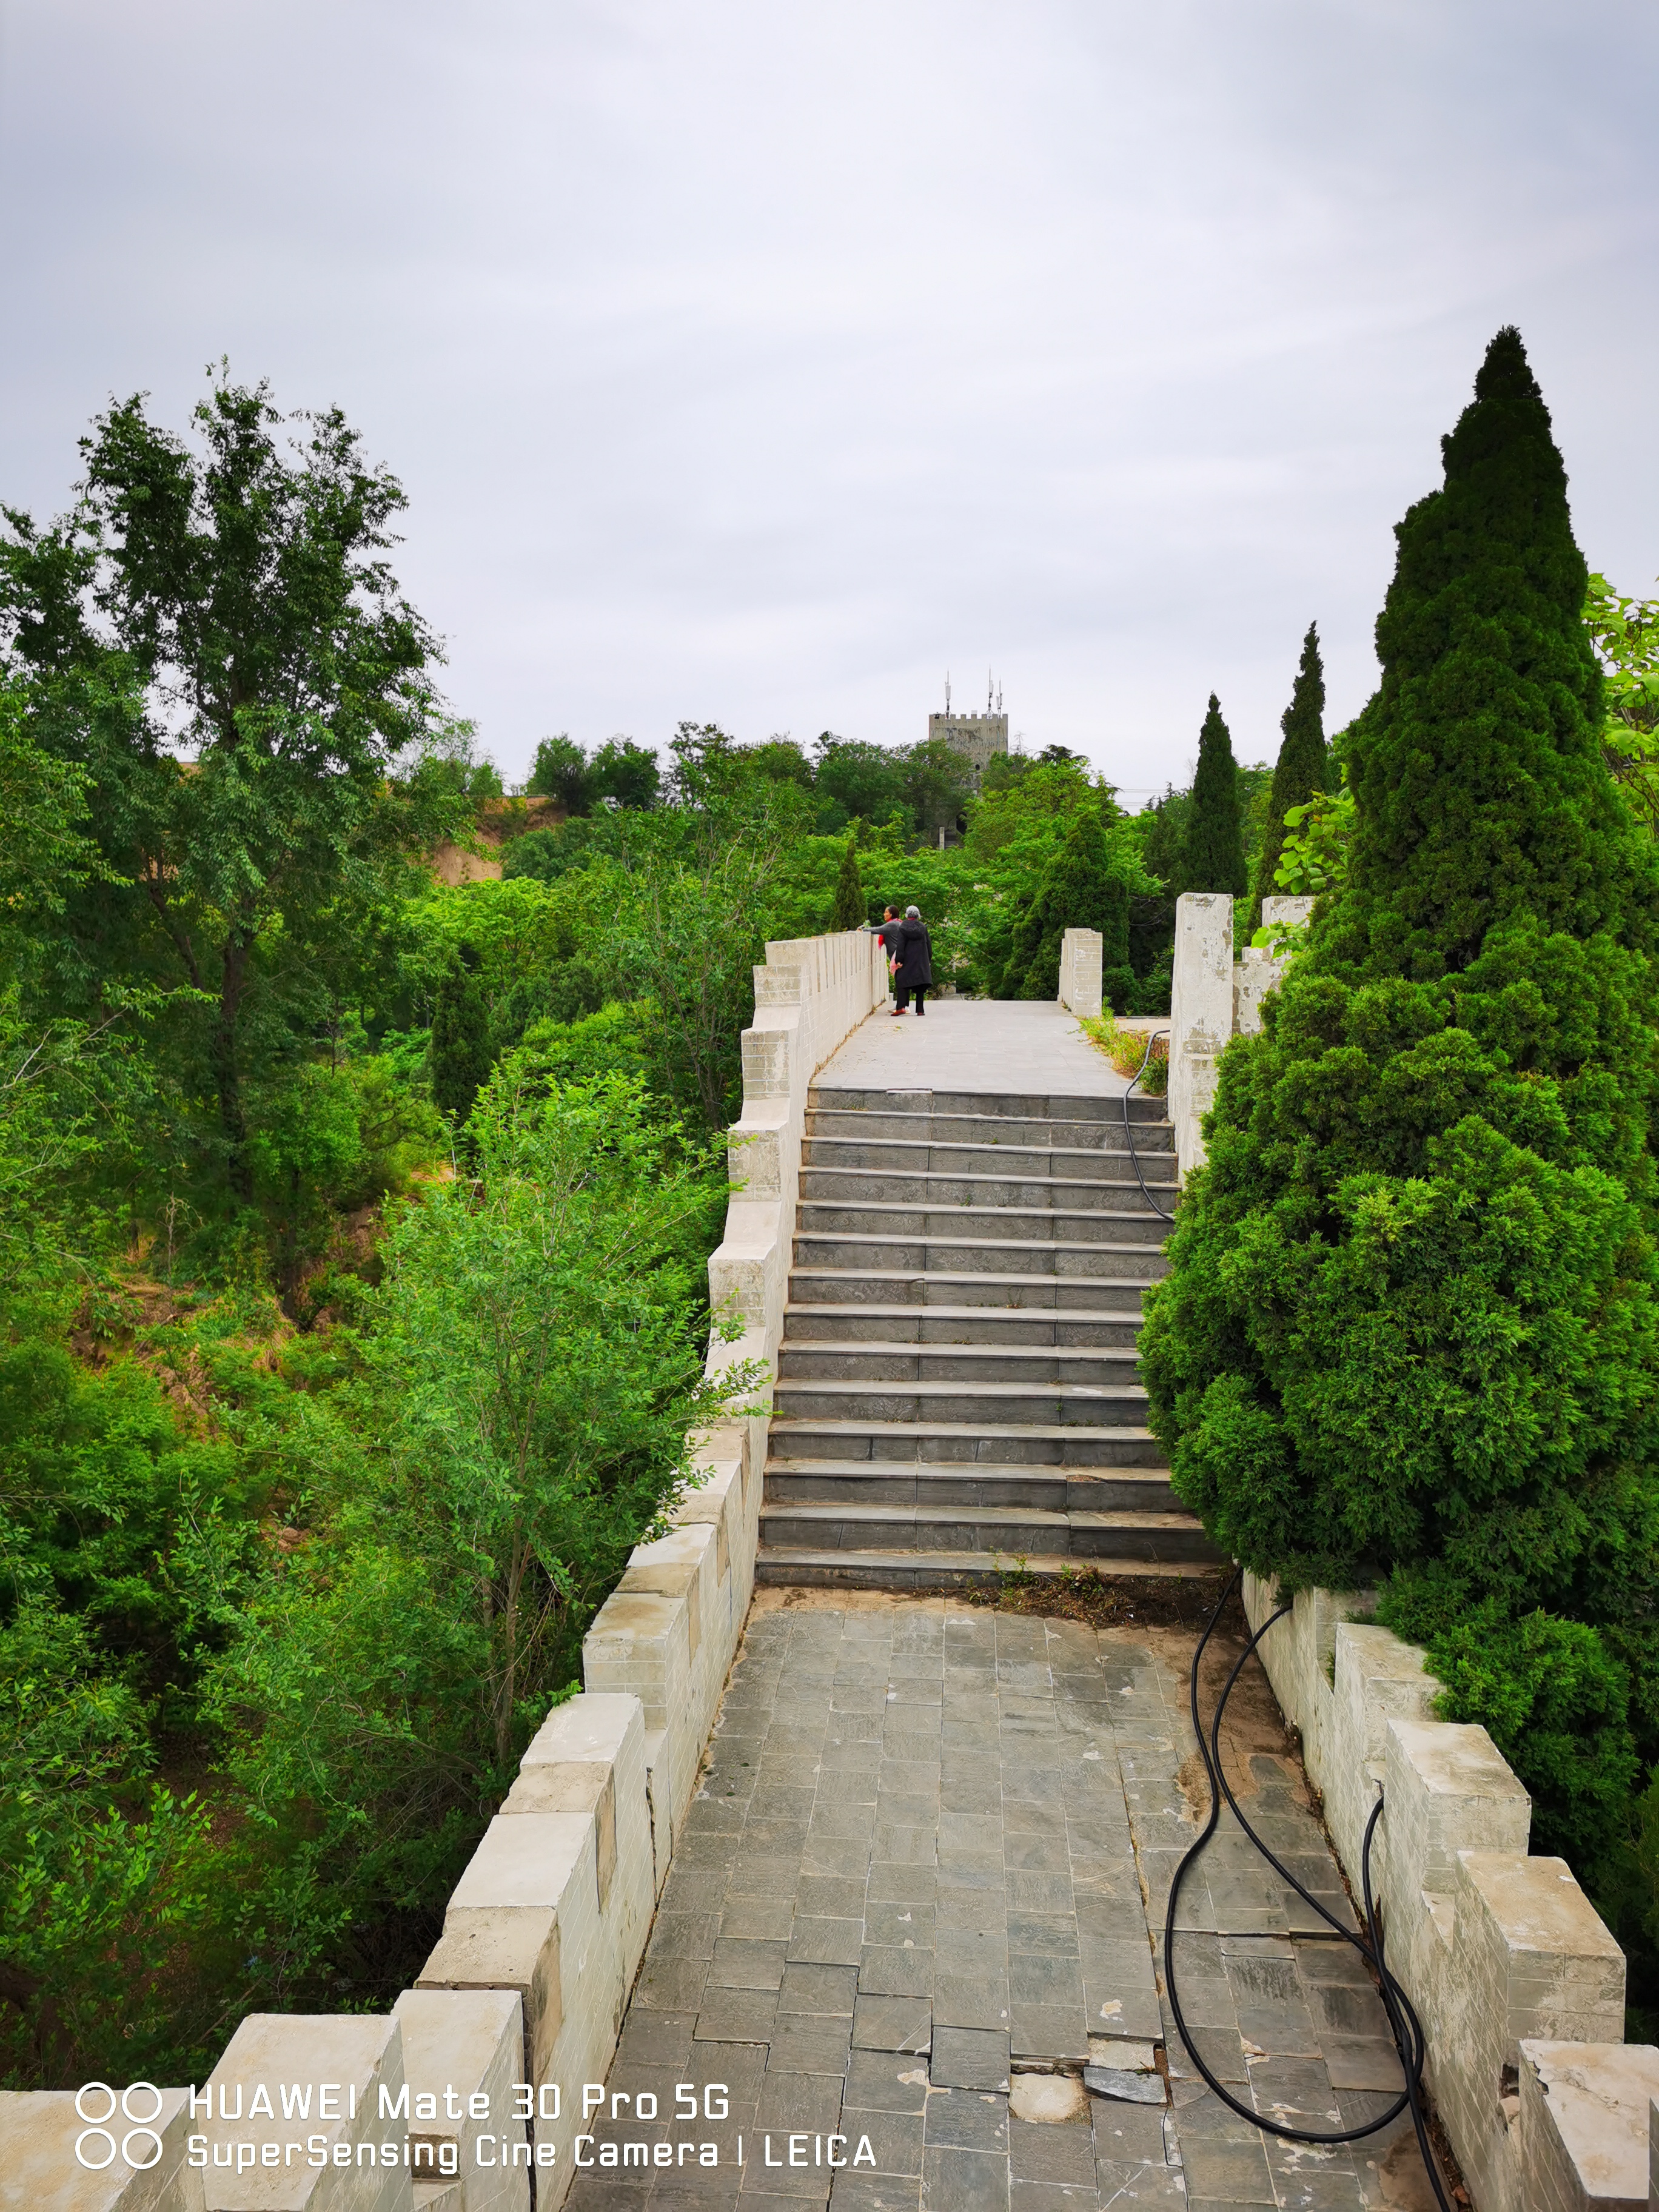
1584,2120
1200,1014
1080,956
467,2042
348,2071
1258,971
40,2130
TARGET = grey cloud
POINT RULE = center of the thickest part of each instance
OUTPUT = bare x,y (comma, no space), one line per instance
759,362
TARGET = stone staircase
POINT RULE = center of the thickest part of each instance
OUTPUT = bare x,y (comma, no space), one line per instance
958,1386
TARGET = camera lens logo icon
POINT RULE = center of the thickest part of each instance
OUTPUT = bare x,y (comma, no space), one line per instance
98,2137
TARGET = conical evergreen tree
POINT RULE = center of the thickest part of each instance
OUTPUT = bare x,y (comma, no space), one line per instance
1411,1335
1299,772
848,911
461,1038
1080,889
1212,859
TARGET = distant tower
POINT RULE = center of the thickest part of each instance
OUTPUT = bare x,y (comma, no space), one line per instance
979,736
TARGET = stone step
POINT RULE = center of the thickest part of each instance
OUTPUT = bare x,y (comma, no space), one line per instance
877,1360
944,1255
979,1483
929,1189
1150,1136
987,1224
895,1156
918,1528
1040,1405
1012,1326
939,1440
926,1292
790,1565
985,1105
958,1390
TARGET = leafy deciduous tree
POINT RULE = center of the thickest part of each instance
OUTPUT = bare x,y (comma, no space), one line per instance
215,641
561,770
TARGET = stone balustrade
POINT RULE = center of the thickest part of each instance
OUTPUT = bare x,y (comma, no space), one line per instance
1519,1986
449,2103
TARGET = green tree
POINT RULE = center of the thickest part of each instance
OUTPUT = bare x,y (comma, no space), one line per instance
1411,1332
626,774
215,640
561,771
1299,772
779,758
539,1341
1084,887
938,782
460,1037
45,852
848,912
867,781
1212,854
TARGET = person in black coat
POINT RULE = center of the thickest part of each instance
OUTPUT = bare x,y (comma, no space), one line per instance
888,935
912,968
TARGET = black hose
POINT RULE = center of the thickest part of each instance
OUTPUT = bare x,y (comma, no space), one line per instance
1403,2023
1153,1036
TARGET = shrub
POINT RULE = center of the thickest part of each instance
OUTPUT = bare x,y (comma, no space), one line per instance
1127,1049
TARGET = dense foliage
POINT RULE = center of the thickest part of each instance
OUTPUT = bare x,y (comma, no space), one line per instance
1411,1336
353,1314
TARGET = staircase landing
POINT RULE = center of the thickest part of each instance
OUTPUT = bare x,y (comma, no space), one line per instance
976,1044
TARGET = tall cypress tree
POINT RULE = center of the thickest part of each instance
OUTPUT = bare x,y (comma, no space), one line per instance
1299,770
1081,888
1411,1335
1212,859
461,1058
848,911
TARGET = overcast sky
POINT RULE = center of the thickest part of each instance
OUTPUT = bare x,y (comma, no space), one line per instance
756,362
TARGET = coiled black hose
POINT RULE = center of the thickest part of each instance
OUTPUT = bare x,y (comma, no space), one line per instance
1403,2023
1153,1037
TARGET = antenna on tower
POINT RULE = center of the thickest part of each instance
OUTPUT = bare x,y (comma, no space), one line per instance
947,694
988,694
998,698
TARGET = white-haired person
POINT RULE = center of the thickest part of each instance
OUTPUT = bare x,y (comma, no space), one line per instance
913,962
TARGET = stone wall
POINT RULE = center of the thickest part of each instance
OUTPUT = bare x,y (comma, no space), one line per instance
1519,1986
524,1993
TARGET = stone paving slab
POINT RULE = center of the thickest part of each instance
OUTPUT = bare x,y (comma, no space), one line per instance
1030,1048
928,1855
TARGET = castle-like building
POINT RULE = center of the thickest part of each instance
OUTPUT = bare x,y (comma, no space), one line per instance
979,736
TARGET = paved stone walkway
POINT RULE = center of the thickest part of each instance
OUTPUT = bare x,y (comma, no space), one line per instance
922,1862
974,1044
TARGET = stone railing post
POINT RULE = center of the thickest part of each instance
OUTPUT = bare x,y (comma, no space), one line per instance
1200,1014
1081,952
1258,971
